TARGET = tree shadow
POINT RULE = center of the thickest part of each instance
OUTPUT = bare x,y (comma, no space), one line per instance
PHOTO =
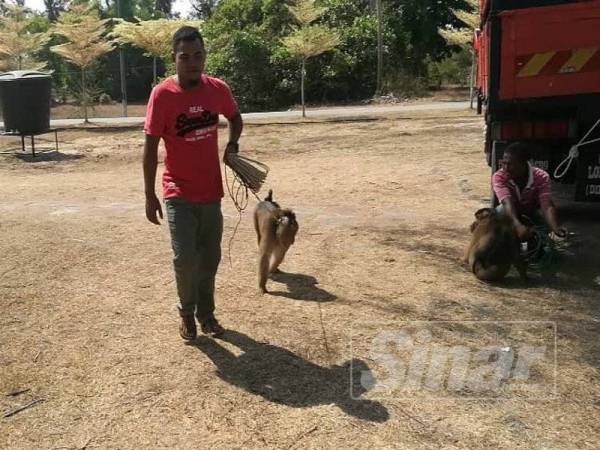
282,377
301,287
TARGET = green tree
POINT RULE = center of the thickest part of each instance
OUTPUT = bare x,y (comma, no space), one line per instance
54,8
347,72
164,7
414,25
84,33
243,60
462,36
244,49
203,9
309,40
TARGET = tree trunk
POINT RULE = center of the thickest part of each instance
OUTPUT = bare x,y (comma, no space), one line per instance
122,69
123,82
302,74
84,96
472,80
379,86
154,71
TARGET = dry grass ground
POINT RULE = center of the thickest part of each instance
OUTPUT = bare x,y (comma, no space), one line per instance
89,324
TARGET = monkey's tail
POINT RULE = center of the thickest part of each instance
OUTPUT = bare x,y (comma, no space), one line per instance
269,197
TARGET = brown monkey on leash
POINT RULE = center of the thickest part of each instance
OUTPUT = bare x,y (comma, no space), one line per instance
494,247
276,230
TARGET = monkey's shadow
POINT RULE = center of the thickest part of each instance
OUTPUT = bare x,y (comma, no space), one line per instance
280,376
300,287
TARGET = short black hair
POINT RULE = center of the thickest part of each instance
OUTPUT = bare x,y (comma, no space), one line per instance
186,34
520,150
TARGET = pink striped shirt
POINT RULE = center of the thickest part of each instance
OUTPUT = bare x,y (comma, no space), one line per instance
535,194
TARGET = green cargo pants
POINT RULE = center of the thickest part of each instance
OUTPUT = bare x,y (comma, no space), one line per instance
196,230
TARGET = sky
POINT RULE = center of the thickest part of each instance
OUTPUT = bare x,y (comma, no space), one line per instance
181,6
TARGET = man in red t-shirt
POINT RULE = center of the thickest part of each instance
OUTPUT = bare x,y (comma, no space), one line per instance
184,111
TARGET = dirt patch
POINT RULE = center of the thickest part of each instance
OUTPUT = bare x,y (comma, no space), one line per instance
90,327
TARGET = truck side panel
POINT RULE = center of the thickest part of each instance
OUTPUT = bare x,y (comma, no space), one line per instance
550,51
503,5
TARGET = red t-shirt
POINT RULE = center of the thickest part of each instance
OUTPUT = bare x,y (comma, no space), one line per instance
188,123
537,192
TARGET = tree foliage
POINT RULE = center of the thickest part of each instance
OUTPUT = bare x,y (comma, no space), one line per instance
306,12
84,33
203,9
152,36
309,40
257,46
462,35
54,8
18,43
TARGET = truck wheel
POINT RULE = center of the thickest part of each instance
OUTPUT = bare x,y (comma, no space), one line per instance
479,104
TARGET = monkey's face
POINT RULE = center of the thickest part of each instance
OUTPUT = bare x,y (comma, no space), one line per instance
483,216
484,213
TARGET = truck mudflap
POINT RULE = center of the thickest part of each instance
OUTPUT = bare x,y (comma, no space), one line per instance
587,186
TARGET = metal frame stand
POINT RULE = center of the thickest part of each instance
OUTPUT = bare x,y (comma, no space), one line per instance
32,136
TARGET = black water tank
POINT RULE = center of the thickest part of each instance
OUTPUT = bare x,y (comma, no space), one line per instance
25,101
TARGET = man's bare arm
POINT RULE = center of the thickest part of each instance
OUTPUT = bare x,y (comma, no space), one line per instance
150,164
549,211
236,125
511,211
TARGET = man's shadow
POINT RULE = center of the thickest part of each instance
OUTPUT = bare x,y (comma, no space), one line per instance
300,287
283,377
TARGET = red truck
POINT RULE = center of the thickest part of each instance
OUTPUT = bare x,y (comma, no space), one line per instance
538,79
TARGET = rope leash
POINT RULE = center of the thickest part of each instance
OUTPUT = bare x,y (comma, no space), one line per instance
541,252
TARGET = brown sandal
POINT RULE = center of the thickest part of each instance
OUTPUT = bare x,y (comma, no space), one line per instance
187,328
211,326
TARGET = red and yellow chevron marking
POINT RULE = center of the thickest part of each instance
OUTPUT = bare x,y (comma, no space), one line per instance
559,62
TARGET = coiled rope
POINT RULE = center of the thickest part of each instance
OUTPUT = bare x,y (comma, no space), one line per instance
247,175
574,153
